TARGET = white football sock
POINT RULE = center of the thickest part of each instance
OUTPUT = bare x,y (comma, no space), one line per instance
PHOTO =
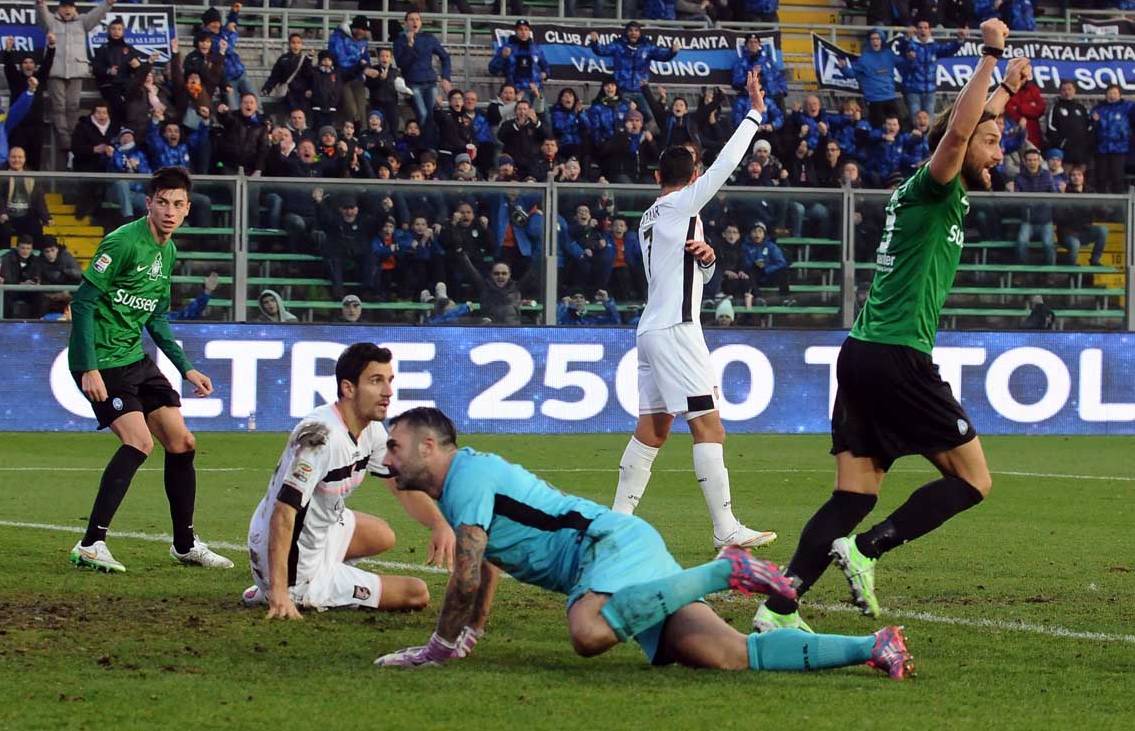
709,468
634,473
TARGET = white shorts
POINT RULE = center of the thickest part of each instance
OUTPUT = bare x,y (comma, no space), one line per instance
674,373
335,583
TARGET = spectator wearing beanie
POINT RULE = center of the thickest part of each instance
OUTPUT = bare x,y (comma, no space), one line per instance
207,63
875,72
348,47
774,77
607,113
224,40
1113,119
65,83
326,90
520,60
632,55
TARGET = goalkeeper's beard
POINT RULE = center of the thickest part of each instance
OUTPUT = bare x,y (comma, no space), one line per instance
972,177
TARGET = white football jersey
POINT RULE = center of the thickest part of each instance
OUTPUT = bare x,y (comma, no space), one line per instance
674,278
324,465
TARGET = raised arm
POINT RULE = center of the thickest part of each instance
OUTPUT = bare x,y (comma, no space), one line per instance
706,186
948,157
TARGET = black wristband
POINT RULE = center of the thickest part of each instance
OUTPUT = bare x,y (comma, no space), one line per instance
990,51
1005,86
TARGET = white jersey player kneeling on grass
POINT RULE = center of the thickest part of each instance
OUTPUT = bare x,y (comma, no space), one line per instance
301,537
674,373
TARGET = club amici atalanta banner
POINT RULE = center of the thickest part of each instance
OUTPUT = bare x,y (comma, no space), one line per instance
704,56
1091,65
149,28
561,380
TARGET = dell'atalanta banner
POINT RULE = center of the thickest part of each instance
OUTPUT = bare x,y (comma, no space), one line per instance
704,56
1092,66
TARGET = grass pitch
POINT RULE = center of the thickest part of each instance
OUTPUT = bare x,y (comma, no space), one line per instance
1021,613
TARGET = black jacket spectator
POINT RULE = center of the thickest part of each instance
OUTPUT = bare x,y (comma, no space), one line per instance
86,137
344,240
23,198
379,80
29,133
627,158
521,140
243,142
63,270
112,69
293,70
500,299
455,129
210,67
672,129
1068,127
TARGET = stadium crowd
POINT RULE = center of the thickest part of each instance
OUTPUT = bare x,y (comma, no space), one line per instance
354,111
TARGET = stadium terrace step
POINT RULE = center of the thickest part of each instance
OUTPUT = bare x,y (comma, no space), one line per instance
72,229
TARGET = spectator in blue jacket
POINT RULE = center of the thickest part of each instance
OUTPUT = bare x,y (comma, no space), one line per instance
520,60
16,114
883,152
129,158
915,143
224,42
920,72
607,113
573,310
518,229
670,9
1114,119
348,48
774,77
983,10
875,72
1035,217
757,11
569,125
414,52
1019,14
632,55
773,117
809,122
165,149
845,127
768,264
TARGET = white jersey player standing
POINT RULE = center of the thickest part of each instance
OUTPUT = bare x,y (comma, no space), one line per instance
674,373
301,537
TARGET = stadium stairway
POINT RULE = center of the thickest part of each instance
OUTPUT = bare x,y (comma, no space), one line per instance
79,235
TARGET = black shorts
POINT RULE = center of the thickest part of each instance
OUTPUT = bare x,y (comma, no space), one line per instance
139,386
891,402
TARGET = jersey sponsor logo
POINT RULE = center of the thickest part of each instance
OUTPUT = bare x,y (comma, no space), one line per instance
102,263
302,472
957,236
134,302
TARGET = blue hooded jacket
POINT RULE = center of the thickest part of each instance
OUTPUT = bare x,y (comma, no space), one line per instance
632,62
767,252
773,113
983,10
529,238
660,9
1113,122
883,158
568,125
1019,14
874,70
610,315
234,67
416,62
525,63
604,120
915,149
16,114
774,78
351,56
845,130
920,74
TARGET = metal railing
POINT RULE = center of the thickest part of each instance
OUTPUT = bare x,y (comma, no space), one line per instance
236,201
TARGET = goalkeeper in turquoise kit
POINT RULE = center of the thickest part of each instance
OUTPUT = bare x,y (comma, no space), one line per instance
619,577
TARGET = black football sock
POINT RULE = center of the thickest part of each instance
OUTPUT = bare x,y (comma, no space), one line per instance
927,508
115,482
835,519
181,491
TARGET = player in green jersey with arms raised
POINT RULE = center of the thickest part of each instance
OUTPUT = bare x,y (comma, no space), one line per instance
125,289
890,400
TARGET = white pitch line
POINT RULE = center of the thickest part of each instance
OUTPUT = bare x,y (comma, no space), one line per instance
1001,625
553,470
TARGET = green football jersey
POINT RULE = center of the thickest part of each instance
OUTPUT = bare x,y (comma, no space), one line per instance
132,271
915,263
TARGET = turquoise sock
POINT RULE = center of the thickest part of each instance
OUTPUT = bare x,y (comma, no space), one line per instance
793,649
640,607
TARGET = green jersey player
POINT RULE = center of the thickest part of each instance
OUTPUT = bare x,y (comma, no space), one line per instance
127,288
890,400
